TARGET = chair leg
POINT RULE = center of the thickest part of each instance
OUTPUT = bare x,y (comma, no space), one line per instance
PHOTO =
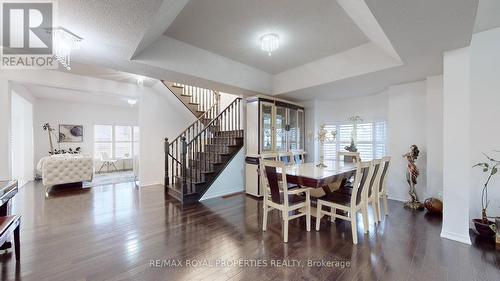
285,227
17,244
264,220
379,214
318,215
102,166
116,170
385,205
364,214
374,211
354,228
308,214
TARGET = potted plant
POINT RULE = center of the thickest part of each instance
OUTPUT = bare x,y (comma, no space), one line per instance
484,226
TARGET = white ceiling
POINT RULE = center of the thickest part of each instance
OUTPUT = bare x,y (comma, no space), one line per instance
106,73
488,15
121,35
72,95
308,30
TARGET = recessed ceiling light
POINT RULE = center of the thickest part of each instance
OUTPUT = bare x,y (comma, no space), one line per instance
269,42
132,102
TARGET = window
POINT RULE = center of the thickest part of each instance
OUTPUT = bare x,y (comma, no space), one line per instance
116,141
370,140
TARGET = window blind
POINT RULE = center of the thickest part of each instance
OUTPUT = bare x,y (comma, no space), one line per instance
370,140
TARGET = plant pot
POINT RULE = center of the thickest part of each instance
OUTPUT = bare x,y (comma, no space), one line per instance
484,229
433,205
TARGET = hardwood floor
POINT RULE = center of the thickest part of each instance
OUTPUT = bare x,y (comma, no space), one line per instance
118,232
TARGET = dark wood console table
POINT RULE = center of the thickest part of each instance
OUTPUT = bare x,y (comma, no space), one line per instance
7,191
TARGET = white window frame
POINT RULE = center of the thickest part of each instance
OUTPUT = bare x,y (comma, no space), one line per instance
113,141
339,146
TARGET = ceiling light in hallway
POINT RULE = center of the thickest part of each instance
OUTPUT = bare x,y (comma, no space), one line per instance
269,42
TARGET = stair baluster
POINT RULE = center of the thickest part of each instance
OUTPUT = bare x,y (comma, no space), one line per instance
203,150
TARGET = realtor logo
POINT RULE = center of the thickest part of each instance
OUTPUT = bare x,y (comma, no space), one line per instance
27,38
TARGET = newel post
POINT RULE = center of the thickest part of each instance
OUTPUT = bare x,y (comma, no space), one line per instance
167,152
184,164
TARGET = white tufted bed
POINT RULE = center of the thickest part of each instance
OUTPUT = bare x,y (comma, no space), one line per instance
65,168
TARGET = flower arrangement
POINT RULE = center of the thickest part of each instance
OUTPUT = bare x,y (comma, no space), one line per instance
323,136
354,135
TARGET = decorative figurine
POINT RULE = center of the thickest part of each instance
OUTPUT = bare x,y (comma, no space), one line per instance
411,177
322,138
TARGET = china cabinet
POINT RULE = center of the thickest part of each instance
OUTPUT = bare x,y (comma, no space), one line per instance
273,126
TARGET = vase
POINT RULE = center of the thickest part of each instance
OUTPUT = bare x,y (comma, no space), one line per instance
484,229
433,205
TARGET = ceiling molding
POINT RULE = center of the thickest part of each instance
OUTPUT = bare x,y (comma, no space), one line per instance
167,13
354,62
364,19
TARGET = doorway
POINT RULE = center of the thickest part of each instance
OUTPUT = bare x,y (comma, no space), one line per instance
22,160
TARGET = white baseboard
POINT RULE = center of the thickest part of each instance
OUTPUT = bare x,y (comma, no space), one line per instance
395,198
220,194
151,183
456,237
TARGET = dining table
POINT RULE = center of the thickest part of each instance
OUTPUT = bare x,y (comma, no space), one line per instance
335,174
312,175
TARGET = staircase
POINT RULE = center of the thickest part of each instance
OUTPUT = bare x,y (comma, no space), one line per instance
195,159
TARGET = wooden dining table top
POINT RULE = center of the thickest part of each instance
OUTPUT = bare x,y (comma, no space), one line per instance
307,174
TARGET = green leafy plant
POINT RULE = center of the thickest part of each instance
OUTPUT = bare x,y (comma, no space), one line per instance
489,167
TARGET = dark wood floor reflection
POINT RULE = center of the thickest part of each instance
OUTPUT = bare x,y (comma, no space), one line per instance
113,233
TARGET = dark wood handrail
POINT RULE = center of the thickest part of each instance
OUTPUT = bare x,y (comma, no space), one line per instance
213,120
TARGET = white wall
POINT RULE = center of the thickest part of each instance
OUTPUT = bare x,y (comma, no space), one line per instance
5,108
231,180
22,139
485,115
456,143
370,108
58,112
434,136
406,125
161,115
226,99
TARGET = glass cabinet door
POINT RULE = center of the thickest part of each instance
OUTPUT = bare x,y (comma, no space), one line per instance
280,129
300,130
266,119
292,129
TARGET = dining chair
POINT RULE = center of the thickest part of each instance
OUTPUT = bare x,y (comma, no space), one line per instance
348,156
371,195
300,156
286,157
381,191
283,199
349,204
107,162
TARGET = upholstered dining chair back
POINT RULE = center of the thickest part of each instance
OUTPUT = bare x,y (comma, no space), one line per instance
299,157
377,173
383,175
286,157
364,173
270,175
